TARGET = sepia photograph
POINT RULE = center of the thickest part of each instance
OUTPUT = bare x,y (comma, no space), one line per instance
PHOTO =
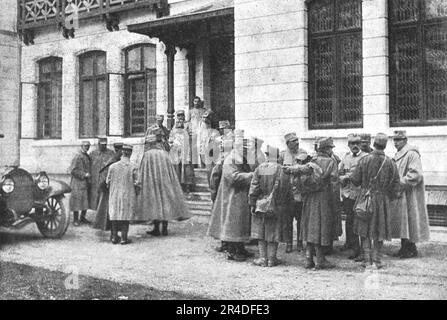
238,152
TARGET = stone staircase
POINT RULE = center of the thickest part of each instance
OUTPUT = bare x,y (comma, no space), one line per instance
199,201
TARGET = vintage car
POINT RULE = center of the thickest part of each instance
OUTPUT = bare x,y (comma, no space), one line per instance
26,199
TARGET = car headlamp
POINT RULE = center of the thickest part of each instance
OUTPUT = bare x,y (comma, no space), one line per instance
43,182
8,185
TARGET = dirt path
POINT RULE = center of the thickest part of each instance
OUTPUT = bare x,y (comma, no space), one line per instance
185,262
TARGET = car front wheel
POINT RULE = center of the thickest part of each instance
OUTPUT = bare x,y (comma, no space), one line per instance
55,218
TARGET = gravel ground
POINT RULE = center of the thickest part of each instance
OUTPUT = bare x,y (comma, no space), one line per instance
185,263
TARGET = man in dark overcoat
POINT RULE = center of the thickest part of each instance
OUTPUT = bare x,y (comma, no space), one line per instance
80,182
377,175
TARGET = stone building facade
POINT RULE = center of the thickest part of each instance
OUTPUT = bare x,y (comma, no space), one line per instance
320,68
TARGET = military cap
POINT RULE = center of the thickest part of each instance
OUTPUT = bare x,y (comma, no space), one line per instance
102,140
127,147
325,142
400,135
354,137
365,137
150,138
224,124
85,143
180,112
118,144
381,139
291,137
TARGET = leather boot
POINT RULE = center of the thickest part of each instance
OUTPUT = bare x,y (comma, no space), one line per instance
223,247
403,248
236,252
367,261
322,263
309,257
114,230
75,218
156,231
240,249
377,255
272,251
410,251
124,232
262,260
83,218
164,231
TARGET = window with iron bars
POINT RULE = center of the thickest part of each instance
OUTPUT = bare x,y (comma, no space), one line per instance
93,90
141,88
335,63
49,97
418,62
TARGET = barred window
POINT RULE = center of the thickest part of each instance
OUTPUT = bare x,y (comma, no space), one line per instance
141,88
93,89
335,63
49,97
418,62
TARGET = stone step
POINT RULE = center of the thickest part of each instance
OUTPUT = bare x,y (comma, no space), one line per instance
201,188
199,196
200,205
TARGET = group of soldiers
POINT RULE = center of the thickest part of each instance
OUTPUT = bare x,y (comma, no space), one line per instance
259,196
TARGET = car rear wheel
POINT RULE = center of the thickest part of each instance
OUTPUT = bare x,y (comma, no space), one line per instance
56,219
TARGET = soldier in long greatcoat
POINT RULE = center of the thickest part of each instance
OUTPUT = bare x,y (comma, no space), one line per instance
230,216
319,207
376,228
409,221
80,181
122,180
161,198
99,159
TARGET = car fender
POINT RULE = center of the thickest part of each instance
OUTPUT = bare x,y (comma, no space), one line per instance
58,188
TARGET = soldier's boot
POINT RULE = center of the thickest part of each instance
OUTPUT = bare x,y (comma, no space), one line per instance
223,247
240,249
309,257
156,231
367,258
83,218
262,261
164,231
403,248
75,218
124,232
272,251
234,252
410,252
322,263
377,255
114,230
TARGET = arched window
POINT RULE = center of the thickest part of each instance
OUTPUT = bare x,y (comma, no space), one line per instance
418,62
141,88
335,63
93,99
49,105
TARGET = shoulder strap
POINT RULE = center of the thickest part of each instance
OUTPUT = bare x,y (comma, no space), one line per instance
380,169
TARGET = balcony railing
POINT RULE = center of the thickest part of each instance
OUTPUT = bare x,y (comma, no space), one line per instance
36,13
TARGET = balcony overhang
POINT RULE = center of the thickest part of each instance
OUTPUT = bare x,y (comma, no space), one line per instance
188,28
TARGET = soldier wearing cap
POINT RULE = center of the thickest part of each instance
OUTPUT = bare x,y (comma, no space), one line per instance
208,143
161,198
99,157
350,192
365,143
377,175
320,207
159,129
102,221
409,221
121,181
230,218
289,157
80,171
180,153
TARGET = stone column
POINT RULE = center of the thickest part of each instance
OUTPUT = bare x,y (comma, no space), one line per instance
170,54
191,56
375,66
